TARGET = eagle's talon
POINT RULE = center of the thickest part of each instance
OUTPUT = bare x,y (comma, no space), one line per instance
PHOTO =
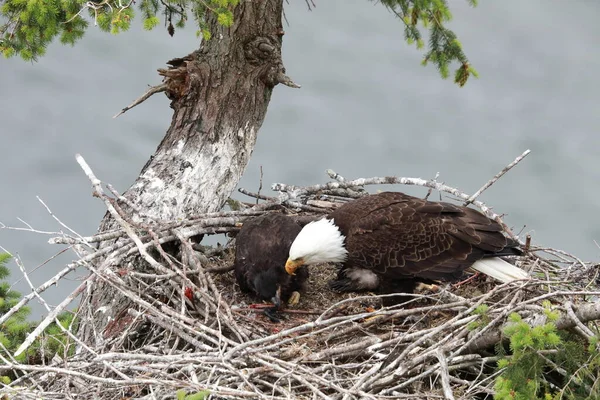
424,287
294,298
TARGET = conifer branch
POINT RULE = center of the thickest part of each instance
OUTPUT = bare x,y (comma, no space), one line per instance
584,313
444,47
43,287
153,90
51,317
58,322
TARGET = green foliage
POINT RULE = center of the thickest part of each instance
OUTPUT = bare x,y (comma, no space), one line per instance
547,364
182,395
32,24
29,26
551,315
150,23
54,341
483,320
234,205
14,331
444,47
16,328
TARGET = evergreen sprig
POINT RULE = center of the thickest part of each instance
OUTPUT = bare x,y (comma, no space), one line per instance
484,319
31,25
444,47
14,331
183,395
547,364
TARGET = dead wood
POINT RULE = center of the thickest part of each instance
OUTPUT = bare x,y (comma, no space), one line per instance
189,327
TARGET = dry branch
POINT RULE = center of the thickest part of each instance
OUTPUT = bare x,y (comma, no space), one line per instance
152,91
496,177
289,193
189,327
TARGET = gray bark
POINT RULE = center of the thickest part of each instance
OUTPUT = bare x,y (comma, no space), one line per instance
219,95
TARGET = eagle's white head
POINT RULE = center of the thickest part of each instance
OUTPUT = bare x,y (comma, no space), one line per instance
318,242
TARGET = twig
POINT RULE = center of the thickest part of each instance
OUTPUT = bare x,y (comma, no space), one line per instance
63,224
257,196
569,308
289,192
153,90
51,317
584,313
23,302
180,330
334,175
445,375
260,184
58,322
430,190
496,177
527,246
287,81
282,310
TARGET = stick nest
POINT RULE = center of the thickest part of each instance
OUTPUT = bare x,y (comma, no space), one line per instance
187,328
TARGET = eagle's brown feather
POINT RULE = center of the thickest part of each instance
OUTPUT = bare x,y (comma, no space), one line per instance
262,247
400,236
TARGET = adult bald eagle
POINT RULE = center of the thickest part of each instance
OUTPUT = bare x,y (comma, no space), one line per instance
394,240
262,246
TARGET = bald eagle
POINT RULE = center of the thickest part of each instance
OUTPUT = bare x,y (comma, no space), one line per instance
393,240
262,246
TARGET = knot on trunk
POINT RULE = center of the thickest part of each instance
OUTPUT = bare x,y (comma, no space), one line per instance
265,53
176,77
262,50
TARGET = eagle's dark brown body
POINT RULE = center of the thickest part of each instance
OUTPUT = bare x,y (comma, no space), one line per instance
262,247
401,237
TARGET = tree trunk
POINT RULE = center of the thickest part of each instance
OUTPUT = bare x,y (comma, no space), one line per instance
220,95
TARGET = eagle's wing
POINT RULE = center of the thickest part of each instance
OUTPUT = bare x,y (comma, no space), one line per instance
258,248
407,236
262,247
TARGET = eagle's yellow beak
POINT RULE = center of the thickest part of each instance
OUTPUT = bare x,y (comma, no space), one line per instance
292,265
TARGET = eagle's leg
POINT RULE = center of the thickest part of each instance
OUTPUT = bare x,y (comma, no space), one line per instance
355,280
271,312
294,298
469,279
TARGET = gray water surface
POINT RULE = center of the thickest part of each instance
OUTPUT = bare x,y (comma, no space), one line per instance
366,108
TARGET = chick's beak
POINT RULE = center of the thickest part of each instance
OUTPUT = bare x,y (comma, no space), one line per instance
292,265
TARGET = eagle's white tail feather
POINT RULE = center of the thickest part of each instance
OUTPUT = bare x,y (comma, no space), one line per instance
499,269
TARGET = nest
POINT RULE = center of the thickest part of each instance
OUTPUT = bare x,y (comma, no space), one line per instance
189,331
